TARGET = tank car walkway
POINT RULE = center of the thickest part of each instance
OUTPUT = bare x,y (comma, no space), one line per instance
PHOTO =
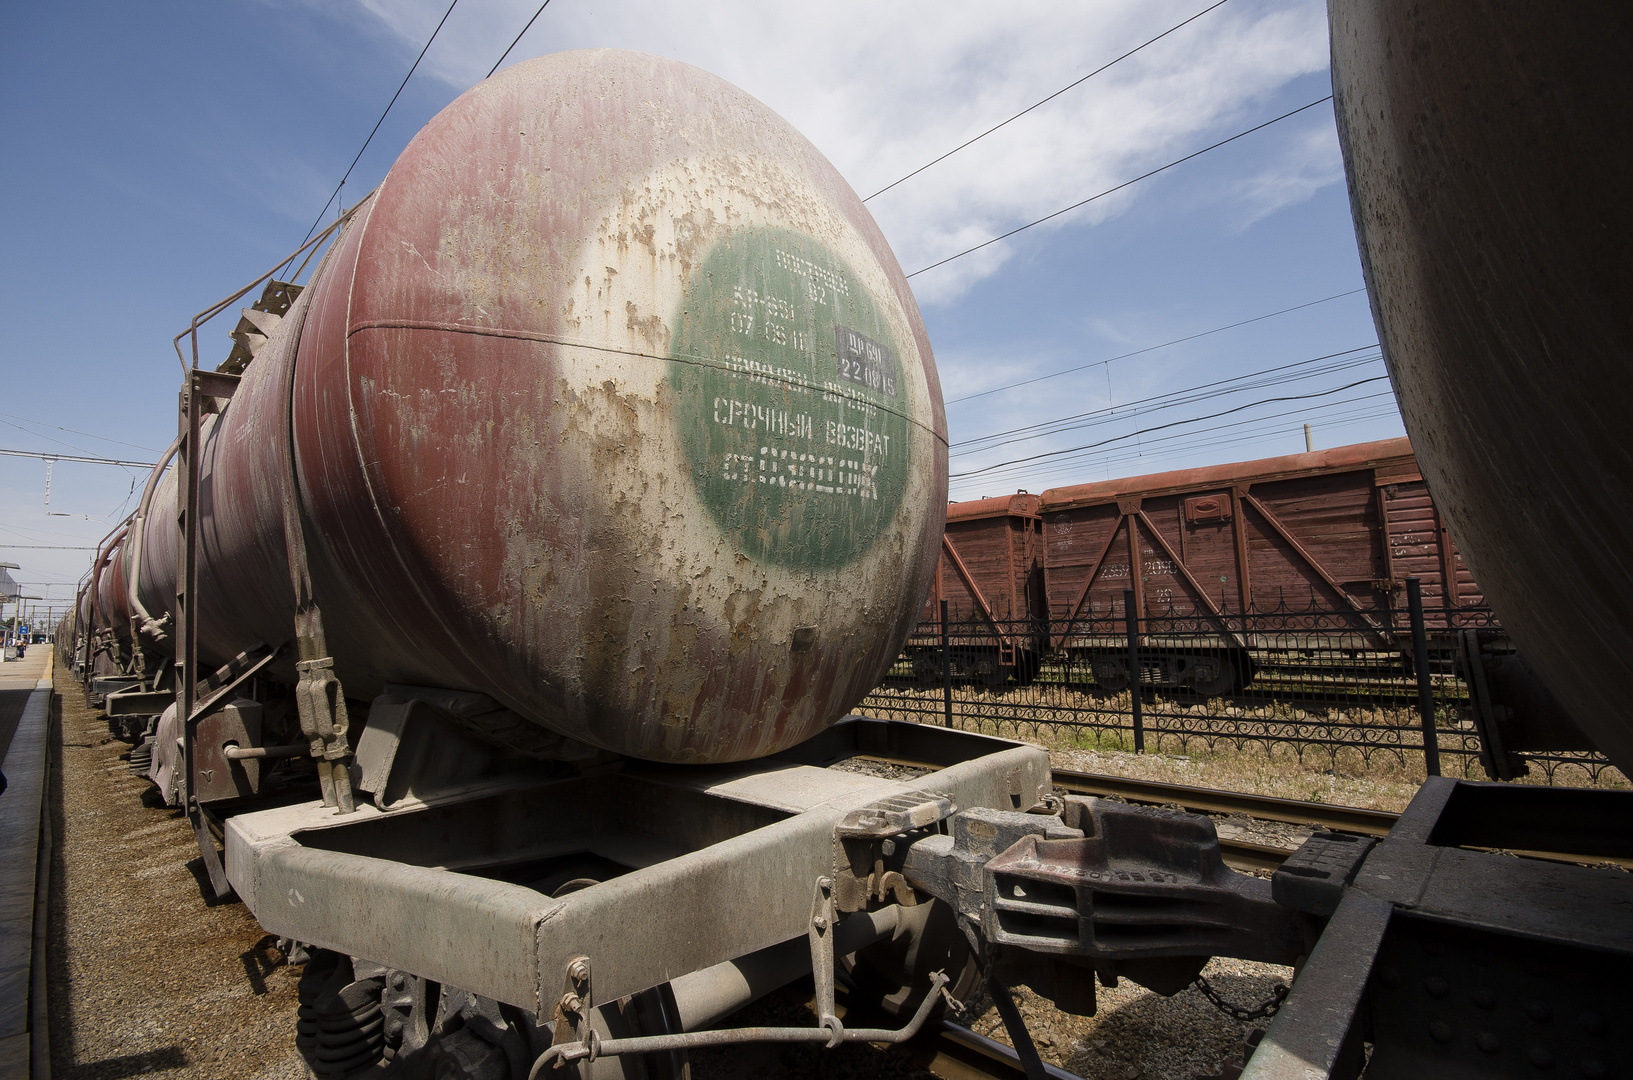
25,713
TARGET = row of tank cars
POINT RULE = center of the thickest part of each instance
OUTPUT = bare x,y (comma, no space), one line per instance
498,620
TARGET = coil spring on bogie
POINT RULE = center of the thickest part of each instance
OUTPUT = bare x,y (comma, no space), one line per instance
339,1028
141,757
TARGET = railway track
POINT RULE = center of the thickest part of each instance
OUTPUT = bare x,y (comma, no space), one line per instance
1210,801
1239,854
1244,855
960,1054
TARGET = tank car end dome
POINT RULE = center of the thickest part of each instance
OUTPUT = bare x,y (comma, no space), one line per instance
613,405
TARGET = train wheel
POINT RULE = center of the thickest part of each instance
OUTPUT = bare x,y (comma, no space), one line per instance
1026,668
927,669
1108,674
1222,680
892,976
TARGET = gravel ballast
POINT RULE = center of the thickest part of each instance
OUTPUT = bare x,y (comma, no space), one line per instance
145,979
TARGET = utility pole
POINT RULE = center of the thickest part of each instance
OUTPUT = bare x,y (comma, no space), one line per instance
1309,442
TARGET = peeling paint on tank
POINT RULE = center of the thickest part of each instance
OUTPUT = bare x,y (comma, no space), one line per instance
494,454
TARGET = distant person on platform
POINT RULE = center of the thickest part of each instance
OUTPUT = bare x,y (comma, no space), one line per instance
22,648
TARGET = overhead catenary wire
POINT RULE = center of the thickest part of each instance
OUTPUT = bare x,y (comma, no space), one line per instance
60,442
1106,418
1189,394
1173,423
76,457
1104,423
412,68
1034,105
1128,447
1234,433
1188,421
1299,372
72,431
44,547
1151,348
1131,459
519,37
1119,187
335,194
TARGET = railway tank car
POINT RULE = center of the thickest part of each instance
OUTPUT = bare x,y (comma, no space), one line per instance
611,405
598,916
1487,159
604,449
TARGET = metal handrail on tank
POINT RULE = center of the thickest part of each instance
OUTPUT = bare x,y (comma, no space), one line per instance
221,305
104,552
147,623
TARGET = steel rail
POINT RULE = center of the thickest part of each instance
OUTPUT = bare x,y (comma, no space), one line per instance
951,1050
1244,855
1352,819
961,1054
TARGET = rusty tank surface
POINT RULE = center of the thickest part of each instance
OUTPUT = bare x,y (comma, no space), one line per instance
612,404
1487,152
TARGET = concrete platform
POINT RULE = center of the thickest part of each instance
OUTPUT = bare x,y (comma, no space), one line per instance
20,808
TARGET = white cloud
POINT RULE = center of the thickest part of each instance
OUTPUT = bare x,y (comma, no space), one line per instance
881,89
1306,164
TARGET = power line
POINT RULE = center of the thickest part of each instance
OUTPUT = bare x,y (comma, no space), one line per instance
377,124
1151,348
1161,427
1188,443
1079,452
1158,403
77,457
1119,187
1247,429
1183,449
1029,108
1103,417
43,547
72,431
1180,396
513,44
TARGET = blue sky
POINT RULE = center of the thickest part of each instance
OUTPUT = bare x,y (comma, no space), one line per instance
160,156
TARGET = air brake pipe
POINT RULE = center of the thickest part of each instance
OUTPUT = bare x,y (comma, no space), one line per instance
595,1046
233,752
704,997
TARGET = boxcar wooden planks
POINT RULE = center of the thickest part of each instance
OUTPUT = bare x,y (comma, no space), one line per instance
1333,529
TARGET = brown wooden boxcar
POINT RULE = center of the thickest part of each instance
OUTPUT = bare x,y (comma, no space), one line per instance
991,575
1337,529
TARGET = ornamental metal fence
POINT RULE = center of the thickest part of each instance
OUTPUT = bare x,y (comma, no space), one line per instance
1343,685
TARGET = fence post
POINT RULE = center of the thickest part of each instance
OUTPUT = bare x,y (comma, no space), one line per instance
1134,668
1420,661
946,672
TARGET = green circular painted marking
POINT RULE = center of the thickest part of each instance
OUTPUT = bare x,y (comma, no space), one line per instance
789,400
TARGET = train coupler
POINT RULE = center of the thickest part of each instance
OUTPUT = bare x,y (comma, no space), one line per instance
1123,890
